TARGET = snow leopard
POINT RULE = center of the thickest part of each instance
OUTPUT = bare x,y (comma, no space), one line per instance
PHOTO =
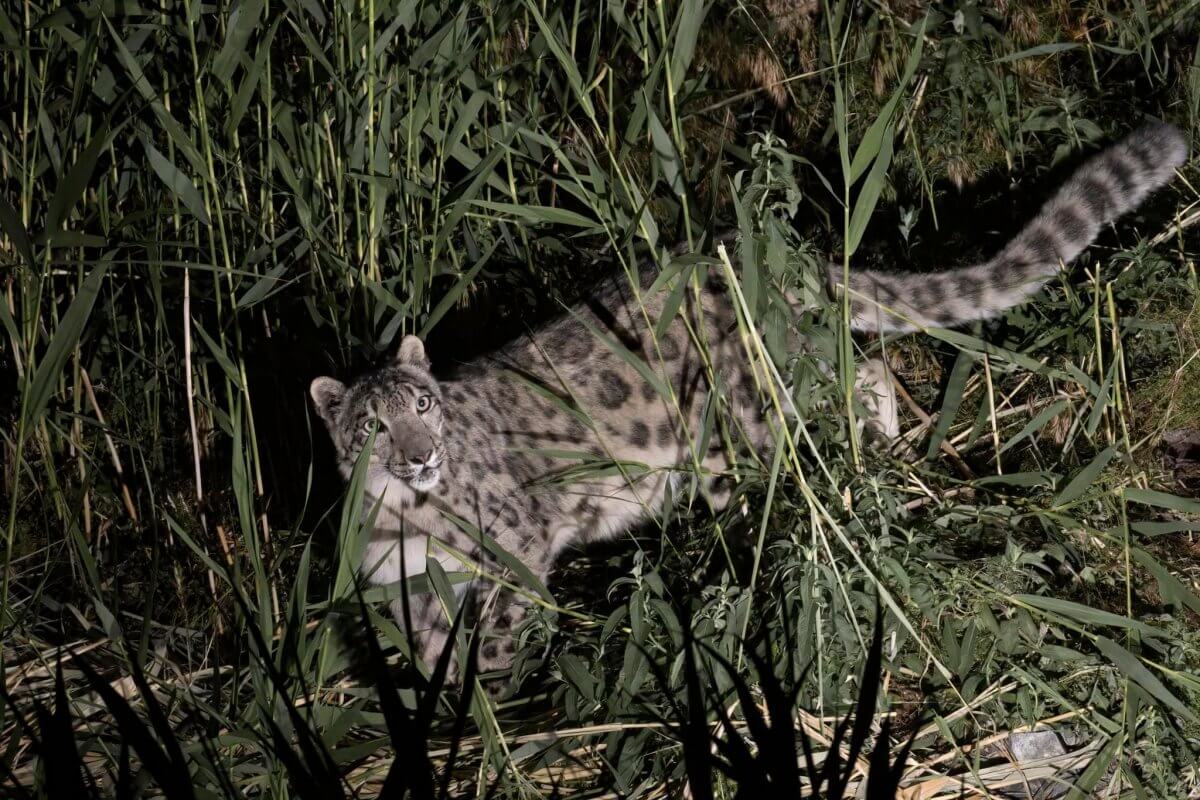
578,430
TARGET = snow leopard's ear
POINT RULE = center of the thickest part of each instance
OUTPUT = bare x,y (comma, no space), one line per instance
327,395
412,352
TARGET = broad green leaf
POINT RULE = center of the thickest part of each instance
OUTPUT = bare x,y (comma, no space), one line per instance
239,27
150,95
451,297
632,359
1164,528
221,356
873,141
358,517
565,61
1017,479
1035,425
1171,589
868,194
1039,50
965,341
240,103
955,388
77,179
1103,398
11,226
1132,667
66,337
539,215
1085,614
1080,483
666,155
488,542
1151,497
263,288
1097,768
690,17
179,184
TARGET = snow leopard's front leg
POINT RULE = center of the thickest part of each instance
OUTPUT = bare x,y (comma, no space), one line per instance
501,609
429,635
501,613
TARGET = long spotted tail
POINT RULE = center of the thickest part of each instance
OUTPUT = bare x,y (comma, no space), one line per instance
1107,186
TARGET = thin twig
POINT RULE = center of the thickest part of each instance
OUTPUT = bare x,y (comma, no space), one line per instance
944,446
112,448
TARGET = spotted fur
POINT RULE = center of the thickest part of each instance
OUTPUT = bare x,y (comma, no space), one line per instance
1108,186
504,449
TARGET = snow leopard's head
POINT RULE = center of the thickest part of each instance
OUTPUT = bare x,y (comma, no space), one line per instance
401,404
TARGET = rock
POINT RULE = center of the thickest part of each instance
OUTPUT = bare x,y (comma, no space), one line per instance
1181,455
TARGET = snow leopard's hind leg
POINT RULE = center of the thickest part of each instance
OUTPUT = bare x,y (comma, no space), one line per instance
874,388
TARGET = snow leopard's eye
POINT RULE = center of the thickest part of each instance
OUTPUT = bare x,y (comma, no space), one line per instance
424,403
369,425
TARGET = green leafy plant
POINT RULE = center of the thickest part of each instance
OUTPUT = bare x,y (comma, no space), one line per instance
204,206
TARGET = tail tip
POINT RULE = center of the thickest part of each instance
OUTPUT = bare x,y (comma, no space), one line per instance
1166,139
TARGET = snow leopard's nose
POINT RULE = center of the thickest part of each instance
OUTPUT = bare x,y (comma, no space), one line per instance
420,459
414,446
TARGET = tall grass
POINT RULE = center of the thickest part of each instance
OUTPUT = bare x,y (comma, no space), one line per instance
205,206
